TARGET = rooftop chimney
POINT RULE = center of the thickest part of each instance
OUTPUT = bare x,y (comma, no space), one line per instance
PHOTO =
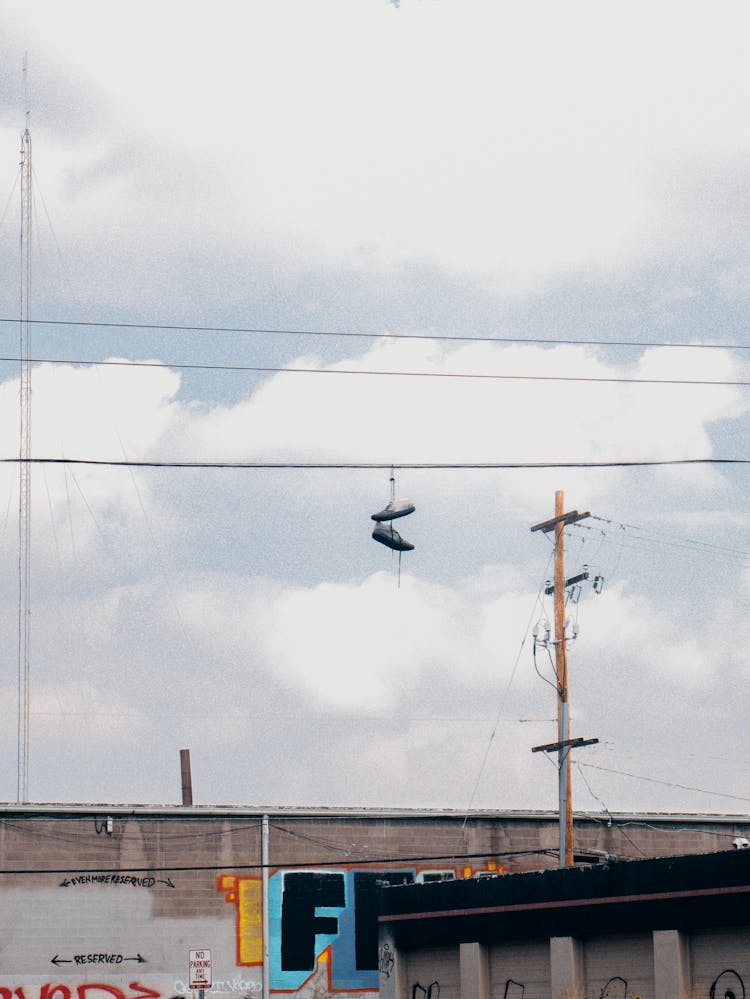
187,780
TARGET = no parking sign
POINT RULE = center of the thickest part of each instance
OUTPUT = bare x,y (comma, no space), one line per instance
199,969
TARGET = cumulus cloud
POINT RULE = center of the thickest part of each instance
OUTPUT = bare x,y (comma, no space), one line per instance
123,414
407,695
462,166
539,153
462,419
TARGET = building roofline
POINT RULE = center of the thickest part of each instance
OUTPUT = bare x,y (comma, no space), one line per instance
352,812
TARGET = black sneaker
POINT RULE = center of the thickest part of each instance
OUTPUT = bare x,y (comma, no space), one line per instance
396,508
388,536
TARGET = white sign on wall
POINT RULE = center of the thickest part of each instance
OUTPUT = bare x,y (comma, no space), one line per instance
199,969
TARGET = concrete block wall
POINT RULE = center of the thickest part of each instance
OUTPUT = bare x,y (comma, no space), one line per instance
98,909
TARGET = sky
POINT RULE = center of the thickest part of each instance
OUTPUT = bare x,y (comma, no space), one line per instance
363,233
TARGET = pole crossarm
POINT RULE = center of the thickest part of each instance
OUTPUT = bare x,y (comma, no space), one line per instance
566,518
553,747
570,581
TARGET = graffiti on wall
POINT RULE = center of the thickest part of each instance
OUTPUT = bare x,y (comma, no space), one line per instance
386,960
116,879
86,990
95,959
247,986
616,988
314,916
728,985
431,991
322,918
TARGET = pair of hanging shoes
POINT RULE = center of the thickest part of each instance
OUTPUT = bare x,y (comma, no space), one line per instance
385,532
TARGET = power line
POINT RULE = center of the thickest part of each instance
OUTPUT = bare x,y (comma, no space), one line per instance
376,861
646,539
666,783
379,465
537,601
379,334
374,372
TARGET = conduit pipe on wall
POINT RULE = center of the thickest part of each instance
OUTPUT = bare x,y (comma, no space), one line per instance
264,915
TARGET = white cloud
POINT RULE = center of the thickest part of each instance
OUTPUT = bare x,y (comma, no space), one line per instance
133,414
413,686
498,142
444,419
267,157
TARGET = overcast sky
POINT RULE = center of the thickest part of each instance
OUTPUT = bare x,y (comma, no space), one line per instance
531,190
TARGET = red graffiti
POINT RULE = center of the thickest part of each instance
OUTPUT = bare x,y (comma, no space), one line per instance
50,992
87,990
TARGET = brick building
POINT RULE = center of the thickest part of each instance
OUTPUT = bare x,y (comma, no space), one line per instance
106,902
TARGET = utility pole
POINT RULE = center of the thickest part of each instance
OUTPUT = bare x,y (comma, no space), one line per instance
563,703
564,743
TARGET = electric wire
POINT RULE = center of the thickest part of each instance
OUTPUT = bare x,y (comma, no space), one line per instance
596,797
31,831
610,821
504,697
647,542
377,465
317,841
648,825
552,664
13,190
652,537
666,783
395,373
60,257
279,864
377,334
620,824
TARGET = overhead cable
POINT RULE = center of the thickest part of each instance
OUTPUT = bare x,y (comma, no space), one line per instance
374,861
376,334
379,465
666,783
375,372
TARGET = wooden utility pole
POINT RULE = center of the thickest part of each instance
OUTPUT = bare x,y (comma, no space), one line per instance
564,743
561,669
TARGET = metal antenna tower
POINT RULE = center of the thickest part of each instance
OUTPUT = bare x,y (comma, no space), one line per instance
24,454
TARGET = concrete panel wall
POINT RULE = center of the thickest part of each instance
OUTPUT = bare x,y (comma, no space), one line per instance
720,963
619,967
520,970
718,967
433,973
